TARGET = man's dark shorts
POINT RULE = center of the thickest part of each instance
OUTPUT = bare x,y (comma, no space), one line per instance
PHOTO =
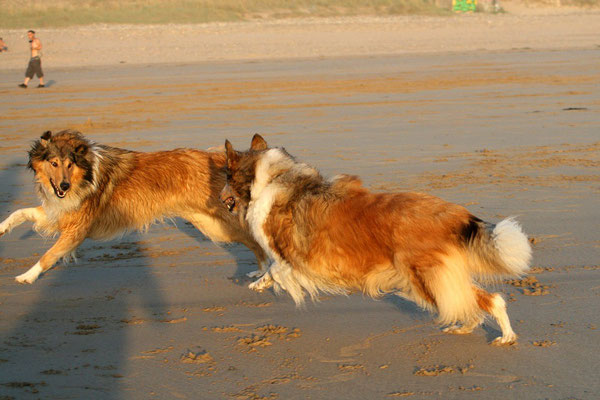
34,67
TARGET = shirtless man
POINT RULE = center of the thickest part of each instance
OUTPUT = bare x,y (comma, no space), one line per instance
35,62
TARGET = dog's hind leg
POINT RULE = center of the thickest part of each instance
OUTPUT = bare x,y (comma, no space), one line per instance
66,243
495,305
34,214
448,285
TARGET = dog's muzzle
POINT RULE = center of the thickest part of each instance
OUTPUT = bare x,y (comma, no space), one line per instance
60,190
228,198
229,203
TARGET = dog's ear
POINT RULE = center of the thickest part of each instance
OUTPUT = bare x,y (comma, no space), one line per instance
45,138
258,143
81,150
232,155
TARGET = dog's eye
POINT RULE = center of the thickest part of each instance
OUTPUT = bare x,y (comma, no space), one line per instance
69,165
54,164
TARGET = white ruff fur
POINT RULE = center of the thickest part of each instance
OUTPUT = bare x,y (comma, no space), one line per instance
258,212
263,193
55,207
262,175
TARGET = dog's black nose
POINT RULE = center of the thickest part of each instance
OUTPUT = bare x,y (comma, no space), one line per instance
64,186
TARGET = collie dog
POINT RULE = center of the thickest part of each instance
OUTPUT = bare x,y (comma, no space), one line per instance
335,236
94,191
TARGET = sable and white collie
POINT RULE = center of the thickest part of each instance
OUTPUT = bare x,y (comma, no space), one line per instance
335,236
94,191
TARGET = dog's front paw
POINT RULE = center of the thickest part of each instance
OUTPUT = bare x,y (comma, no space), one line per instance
255,274
25,278
30,276
3,229
505,340
263,283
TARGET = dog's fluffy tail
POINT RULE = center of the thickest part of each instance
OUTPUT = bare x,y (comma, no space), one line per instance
497,251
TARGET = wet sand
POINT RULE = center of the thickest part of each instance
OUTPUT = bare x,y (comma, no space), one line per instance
167,314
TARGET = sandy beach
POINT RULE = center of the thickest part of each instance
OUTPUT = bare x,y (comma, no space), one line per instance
498,113
108,45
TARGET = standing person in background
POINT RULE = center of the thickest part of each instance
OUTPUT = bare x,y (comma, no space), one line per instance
3,46
35,62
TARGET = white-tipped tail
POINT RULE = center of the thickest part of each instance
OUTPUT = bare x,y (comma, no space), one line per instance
512,245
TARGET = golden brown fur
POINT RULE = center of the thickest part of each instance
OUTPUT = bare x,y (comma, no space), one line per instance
336,236
95,191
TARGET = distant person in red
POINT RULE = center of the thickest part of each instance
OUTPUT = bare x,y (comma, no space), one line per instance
3,46
35,62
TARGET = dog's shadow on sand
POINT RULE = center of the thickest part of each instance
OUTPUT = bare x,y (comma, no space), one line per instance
244,259
9,179
417,313
491,332
407,307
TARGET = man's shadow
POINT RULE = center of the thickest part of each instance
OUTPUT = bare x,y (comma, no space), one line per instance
66,335
72,342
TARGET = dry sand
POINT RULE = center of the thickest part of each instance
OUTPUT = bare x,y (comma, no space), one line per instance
496,112
537,28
